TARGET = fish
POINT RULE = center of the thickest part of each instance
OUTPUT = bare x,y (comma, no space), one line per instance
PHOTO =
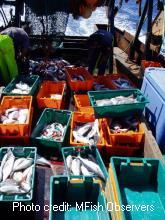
122,83
87,133
76,77
23,86
14,116
22,163
85,171
29,176
92,167
26,171
42,161
18,177
91,158
118,100
8,166
10,182
97,86
10,189
25,186
75,168
54,131
69,160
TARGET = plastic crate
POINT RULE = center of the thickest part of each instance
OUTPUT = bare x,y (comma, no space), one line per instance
77,86
20,152
117,76
83,104
75,193
117,110
105,80
32,81
47,88
126,138
138,181
82,117
50,116
18,102
146,63
77,150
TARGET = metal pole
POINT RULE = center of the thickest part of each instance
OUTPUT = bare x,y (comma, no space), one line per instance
133,46
18,10
112,30
149,31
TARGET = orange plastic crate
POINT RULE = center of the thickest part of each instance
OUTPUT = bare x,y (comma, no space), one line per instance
145,64
19,139
117,76
47,88
82,103
18,102
82,117
126,138
79,85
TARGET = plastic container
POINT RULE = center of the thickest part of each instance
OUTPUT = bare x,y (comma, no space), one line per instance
77,193
83,104
47,88
50,116
146,63
74,151
19,152
18,102
32,81
82,117
140,182
126,138
119,76
79,85
104,80
117,110
154,88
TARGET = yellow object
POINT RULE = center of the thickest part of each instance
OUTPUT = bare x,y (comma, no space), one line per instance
8,65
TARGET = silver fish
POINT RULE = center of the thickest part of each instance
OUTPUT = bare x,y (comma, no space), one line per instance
22,163
25,186
11,110
18,177
69,161
85,171
23,113
42,161
23,86
10,189
76,167
29,176
26,171
91,166
8,166
9,182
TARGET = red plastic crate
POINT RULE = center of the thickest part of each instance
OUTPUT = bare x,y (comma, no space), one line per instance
47,88
145,64
117,76
79,85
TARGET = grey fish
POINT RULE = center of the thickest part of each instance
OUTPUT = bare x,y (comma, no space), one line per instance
18,177
8,166
10,189
91,166
69,160
85,171
22,163
76,167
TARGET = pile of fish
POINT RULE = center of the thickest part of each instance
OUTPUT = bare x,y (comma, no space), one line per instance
14,116
122,83
86,166
76,77
118,100
21,88
56,96
15,174
49,70
124,125
87,133
98,86
54,131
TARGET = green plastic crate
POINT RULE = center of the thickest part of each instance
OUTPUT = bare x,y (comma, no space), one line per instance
18,152
117,110
64,191
140,181
32,81
75,151
47,117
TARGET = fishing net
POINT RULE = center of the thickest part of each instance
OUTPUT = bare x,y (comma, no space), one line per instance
54,24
